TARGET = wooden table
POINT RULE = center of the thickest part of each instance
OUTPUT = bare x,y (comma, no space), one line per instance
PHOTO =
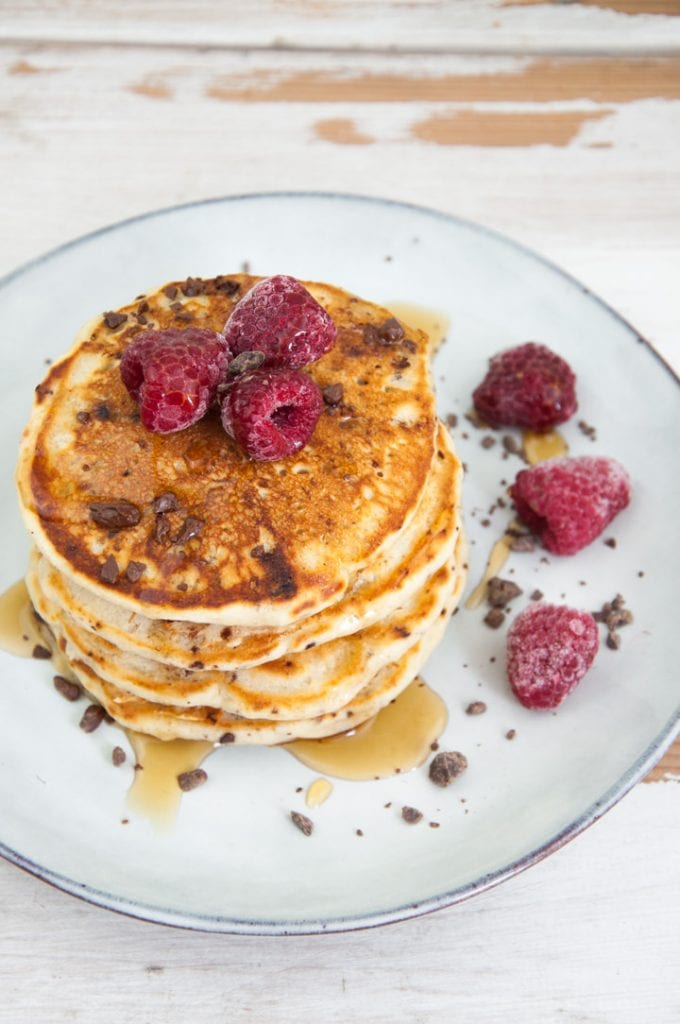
557,124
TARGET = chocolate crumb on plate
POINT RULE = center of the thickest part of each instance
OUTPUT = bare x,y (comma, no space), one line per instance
499,592
477,707
446,766
411,815
68,689
494,618
93,716
302,822
510,734
611,542
192,779
587,430
118,756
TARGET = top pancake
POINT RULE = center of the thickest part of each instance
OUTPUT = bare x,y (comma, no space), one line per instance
278,541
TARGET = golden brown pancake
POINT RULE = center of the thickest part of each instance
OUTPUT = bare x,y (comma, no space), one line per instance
278,541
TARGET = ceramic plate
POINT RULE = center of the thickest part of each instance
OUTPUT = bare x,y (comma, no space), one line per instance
234,862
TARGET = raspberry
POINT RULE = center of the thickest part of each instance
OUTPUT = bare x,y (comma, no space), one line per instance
528,386
280,318
568,502
549,650
174,374
272,412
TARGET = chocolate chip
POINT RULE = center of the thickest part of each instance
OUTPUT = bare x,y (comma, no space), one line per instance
401,364
170,291
118,756
68,689
301,821
390,331
226,285
142,308
246,362
192,286
333,394
192,527
41,653
499,592
411,815
161,530
93,716
192,780
494,618
166,502
114,320
446,766
186,316
83,416
197,665
226,632
102,412
227,737
109,570
135,570
477,707
115,515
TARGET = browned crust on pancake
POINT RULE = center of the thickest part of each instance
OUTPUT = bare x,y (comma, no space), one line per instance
238,500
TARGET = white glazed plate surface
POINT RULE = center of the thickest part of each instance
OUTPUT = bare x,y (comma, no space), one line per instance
234,862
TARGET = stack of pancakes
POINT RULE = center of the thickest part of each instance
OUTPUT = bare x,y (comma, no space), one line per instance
198,594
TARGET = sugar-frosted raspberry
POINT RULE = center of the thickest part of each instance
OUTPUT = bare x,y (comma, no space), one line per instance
528,386
280,318
272,412
568,502
174,374
549,650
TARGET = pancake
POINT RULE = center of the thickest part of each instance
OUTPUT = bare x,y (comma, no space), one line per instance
168,722
307,684
380,588
278,541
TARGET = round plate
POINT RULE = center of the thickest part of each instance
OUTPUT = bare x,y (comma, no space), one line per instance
234,862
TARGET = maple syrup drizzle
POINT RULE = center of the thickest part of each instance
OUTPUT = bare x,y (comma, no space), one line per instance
318,792
432,321
155,791
539,447
19,630
395,740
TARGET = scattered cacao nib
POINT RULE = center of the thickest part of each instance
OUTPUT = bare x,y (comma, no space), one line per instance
115,515
102,412
611,542
161,530
226,285
433,824
118,756
499,592
192,780
488,441
68,689
520,541
41,653
246,362
477,707
170,291
446,766
452,420
227,737
586,429
193,286
614,615
494,618
166,502
613,640
333,394
192,527
135,571
536,595
109,570
510,734
114,320
359,832
411,815
83,416
93,716
301,821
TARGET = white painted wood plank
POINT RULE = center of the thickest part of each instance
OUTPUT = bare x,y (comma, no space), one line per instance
588,935
430,25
